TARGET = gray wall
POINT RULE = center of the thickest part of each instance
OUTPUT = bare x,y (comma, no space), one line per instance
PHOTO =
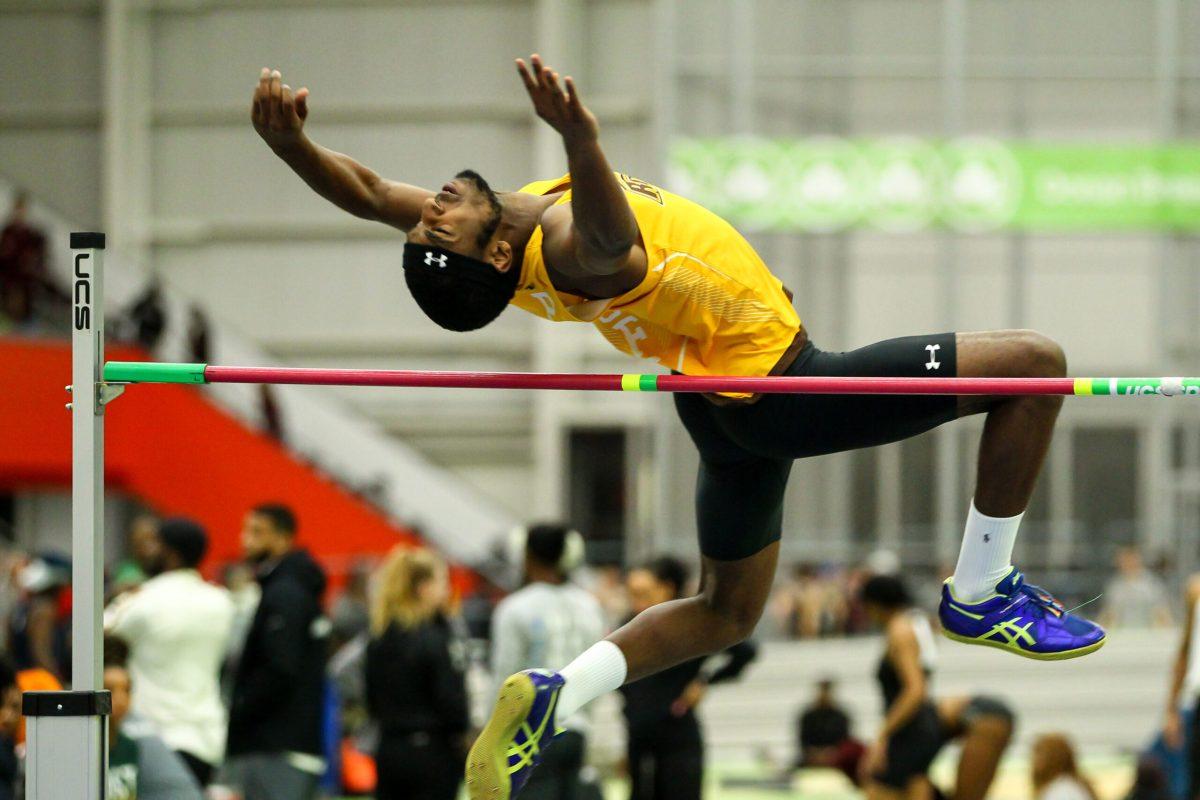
153,142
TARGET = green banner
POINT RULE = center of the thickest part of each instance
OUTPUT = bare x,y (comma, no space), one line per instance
971,185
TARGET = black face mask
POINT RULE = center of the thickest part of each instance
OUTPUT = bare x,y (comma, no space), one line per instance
457,292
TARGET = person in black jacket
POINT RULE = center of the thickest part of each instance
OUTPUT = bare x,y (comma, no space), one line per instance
275,717
416,688
666,743
10,722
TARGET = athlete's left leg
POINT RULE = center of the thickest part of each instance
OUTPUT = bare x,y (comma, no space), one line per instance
1017,433
987,601
1016,438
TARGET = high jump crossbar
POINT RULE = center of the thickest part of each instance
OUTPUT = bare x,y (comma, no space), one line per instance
117,373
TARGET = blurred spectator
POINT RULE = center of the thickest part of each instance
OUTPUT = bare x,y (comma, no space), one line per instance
350,614
12,561
272,414
239,578
1183,696
1135,597
140,767
416,689
1055,773
915,727
275,720
177,628
983,726
824,735
1149,781
479,607
198,336
143,551
882,561
148,315
10,723
545,624
909,736
40,627
22,266
609,587
35,680
666,744
812,603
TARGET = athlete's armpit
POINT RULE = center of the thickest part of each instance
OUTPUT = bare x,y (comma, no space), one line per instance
570,264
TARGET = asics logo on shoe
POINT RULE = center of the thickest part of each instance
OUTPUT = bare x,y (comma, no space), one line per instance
522,754
966,613
1012,632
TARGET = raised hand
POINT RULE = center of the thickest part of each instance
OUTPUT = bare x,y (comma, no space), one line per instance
277,112
562,109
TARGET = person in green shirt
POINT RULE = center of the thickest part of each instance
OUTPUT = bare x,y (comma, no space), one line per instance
140,765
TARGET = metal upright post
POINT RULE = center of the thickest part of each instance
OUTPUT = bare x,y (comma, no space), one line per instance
67,732
948,506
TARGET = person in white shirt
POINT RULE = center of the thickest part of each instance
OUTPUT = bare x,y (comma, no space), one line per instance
545,624
178,627
1135,597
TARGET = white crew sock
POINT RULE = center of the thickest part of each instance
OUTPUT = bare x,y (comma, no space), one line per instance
597,671
986,555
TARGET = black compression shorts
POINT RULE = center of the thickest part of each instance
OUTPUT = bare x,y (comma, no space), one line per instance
746,451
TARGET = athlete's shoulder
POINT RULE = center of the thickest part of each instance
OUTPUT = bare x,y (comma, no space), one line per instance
548,186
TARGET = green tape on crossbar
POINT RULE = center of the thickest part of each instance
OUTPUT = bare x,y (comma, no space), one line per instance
153,372
1137,386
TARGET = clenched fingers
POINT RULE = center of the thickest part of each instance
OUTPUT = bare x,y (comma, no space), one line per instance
276,97
258,104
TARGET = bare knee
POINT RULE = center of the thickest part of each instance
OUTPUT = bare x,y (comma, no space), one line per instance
734,621
1041,356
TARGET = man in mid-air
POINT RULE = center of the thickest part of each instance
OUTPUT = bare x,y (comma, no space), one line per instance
662,278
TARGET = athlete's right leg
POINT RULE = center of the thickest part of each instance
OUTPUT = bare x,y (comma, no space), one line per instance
739,517
739,499
729,604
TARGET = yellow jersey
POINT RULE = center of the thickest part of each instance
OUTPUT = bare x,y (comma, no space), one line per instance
707,306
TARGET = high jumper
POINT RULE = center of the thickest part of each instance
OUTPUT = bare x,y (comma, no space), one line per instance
663,278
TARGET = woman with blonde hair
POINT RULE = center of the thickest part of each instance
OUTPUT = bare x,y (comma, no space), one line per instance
416,691
1055,772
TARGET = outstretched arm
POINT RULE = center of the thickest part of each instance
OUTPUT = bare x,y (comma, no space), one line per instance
279,114
603,231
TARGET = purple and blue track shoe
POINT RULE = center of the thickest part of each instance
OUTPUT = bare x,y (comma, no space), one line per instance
1021,619
511,743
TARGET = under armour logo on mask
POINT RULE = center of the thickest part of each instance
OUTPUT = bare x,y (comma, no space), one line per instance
432,259
933,363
